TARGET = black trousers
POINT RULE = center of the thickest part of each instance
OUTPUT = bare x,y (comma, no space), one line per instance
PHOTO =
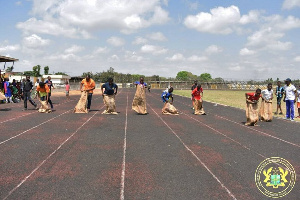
27,96
89,100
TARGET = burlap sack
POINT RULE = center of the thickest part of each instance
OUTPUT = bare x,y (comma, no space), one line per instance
251,114
2,96
139,101
109,101
169,109
198,108
44,108
266,111
81,106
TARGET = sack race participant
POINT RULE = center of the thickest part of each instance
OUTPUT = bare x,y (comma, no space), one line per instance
43,94
139,100
111,89
88,85
81,106
252,107
168,108
266,104
197,101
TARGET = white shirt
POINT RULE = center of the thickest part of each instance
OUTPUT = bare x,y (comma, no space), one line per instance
266,94
36,84
298,94
290,92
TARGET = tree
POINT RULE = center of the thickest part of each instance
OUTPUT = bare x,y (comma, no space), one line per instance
28,73
46,70
10,69
205,77
36,70
61,73
182,76
218,80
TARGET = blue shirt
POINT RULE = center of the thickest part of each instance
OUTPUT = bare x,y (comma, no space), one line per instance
137,82
166,94
281,89
109,89
49,83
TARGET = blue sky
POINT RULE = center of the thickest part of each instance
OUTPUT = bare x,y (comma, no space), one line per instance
239,39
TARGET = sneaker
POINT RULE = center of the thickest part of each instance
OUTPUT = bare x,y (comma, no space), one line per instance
292,120
287,118
24,109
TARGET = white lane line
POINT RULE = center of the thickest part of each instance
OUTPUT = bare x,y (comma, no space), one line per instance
266,134
202,163
27,177
124,156
34,127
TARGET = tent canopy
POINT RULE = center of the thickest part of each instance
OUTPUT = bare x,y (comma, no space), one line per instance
7,59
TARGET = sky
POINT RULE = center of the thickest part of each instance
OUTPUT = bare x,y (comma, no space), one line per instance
232,39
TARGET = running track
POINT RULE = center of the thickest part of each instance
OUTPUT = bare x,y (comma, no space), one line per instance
63,155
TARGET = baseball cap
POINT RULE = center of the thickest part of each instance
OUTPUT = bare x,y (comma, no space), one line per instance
288,79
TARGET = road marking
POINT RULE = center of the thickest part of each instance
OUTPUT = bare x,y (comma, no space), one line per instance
35,127
27,177
124,156
259,131
203,164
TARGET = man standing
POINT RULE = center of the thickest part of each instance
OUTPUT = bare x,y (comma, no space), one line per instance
290,99
111,89
279,93
27,89
89,86
50,86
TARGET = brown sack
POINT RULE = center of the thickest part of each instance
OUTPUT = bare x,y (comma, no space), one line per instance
44,107
251,114
139,101
81,106
198,107
109,101
266,111
169,109
2,96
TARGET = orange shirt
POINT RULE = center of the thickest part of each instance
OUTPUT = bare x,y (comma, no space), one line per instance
88,85
252,97
196,93
45,89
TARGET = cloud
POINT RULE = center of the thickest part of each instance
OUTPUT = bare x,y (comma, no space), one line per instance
74,49
155,50
213,49
176,57
236,68
116,41
280,23
139,40
290,4
220,20
100,50
113,58
297,59
9,48
195,58
246,52
76,19
252,17
35,41
267,39
18,3
157,36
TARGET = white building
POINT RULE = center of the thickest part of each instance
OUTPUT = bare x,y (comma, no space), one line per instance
57,79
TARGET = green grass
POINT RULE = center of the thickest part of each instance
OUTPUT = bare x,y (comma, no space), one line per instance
231,98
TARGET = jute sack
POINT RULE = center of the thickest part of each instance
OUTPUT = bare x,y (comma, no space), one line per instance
198,107
44,107
169,109
2,96
109,101
139,101
266,111
251,113
81,106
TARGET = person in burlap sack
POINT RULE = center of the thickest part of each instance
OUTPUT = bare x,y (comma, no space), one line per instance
198,102
167,98
43,95
266,108
252,107
139,100
87,87
109,91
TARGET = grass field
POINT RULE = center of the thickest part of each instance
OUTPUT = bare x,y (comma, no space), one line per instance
230,98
